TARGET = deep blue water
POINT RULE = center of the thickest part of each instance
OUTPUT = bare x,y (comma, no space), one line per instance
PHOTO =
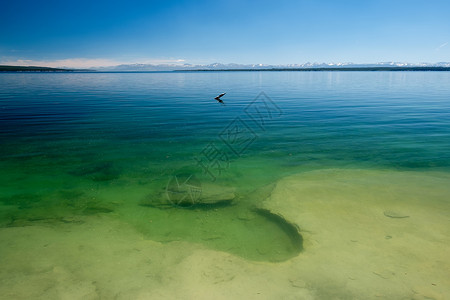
386,119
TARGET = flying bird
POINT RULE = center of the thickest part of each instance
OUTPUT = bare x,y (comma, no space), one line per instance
220,96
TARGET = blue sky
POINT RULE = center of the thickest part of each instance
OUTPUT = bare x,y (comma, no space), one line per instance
91,33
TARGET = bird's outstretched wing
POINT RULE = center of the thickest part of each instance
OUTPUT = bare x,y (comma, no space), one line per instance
218,97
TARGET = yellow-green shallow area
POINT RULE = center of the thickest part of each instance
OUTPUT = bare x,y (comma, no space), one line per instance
366,234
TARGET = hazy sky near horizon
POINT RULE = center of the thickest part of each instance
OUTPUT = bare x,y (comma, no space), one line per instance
95,33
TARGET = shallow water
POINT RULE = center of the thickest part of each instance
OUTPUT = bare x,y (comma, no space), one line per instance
77,144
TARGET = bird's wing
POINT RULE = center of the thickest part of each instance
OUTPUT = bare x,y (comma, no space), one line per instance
220,95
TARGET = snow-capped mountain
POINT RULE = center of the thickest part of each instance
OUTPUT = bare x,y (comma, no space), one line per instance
233,66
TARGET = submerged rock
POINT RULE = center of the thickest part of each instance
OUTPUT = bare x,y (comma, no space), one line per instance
395,214
213,193
209,195
99,171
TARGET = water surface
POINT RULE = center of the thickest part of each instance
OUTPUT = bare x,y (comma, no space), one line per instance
76,144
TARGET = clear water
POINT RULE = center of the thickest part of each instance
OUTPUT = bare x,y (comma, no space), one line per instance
76,144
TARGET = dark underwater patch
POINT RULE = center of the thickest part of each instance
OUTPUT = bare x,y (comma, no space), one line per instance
99,171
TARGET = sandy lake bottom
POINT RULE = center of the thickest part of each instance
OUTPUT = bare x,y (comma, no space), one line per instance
365,234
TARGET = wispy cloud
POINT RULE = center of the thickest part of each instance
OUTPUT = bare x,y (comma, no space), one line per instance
442,46
85,62
159,61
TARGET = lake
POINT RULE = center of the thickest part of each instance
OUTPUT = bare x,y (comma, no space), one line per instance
131,163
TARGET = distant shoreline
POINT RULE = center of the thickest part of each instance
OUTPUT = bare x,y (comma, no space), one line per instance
327,69
33,69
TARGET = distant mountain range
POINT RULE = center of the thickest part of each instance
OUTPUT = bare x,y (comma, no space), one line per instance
232,66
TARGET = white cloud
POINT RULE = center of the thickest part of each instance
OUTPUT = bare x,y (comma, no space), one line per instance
85,62
441,46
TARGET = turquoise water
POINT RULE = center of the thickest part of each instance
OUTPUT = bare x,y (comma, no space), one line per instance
88,144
